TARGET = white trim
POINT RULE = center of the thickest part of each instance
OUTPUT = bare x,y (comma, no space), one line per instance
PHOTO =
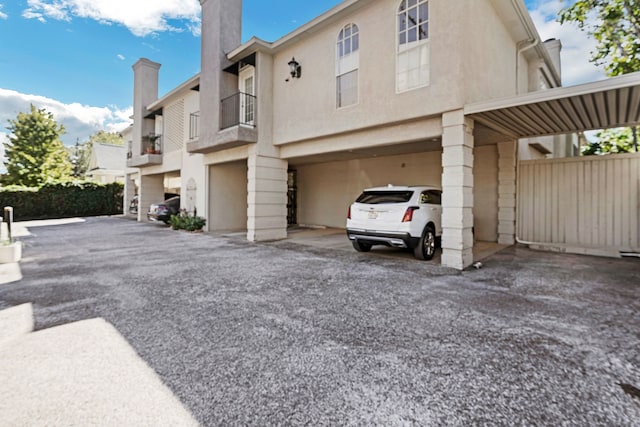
193,81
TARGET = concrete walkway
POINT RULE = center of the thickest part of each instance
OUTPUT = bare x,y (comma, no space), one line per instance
79,374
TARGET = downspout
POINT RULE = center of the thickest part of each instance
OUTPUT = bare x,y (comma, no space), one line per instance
532,43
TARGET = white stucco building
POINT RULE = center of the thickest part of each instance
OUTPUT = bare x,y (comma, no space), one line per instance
372,92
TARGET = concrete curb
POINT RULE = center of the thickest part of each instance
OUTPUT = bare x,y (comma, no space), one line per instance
15,322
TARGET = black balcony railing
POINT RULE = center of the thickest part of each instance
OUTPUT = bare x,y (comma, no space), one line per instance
194,125
238,109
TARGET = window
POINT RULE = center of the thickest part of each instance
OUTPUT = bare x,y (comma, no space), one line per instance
413,45
347,88
383,197
347,63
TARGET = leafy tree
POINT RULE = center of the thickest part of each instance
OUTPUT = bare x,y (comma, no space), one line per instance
103,137
35,155
618,140
79,155
616,29
615,25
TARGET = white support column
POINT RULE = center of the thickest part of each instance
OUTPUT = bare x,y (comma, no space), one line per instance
267,198
507,192
129,192
457,190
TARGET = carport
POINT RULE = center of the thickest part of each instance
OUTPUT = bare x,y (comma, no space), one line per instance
556,192
326,184
154,187
327,174
472,152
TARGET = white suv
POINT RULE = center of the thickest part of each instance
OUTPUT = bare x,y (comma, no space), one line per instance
397,216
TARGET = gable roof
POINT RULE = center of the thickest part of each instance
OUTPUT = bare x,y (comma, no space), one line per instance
108,157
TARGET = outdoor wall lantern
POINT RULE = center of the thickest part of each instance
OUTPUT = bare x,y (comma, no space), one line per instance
295,68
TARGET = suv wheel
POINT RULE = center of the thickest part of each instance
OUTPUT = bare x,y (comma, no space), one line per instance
427,246
361,246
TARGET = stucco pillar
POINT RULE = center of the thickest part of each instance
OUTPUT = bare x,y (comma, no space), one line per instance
151,191
129,192
507,193
145,92
267,198
221,33
457,190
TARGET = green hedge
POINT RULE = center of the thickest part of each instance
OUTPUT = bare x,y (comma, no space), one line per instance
63,200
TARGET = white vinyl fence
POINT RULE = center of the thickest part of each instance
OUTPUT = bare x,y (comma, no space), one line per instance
586,202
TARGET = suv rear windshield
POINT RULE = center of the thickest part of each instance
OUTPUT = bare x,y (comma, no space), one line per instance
381,197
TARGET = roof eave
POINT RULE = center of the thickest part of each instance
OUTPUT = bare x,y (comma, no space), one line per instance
319,22
525,18
187,85
253,45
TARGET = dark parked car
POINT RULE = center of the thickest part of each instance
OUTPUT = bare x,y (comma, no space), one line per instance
133,206
163,211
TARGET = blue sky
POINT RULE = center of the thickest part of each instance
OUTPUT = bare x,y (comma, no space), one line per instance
74,57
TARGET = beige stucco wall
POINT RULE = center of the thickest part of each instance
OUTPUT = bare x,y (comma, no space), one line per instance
526,151
489,54
306,107
326,190
485,193
228,196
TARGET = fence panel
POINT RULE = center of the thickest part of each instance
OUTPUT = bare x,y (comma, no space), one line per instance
590,202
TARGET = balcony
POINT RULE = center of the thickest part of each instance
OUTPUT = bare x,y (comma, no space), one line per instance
238,120
238,109
150,154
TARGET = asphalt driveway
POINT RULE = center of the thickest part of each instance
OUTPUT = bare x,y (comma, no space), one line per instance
287,334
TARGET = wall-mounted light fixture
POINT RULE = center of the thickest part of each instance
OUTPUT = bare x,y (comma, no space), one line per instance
295,69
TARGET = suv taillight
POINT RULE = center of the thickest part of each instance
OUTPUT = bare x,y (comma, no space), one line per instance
349,213
408,214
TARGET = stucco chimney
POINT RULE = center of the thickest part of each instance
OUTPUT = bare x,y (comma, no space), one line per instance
554,47
221,33
145,91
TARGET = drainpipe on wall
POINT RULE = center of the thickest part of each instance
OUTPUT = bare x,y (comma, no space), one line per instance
521,46
520,49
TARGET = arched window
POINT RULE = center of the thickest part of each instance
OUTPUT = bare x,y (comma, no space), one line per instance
347,62
413,44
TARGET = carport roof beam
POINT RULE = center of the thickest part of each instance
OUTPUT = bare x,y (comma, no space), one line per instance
599,105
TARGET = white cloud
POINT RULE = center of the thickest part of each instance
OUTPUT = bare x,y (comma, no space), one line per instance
141,17
576,44
80,121
28,14
2,14
38,9
120,57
